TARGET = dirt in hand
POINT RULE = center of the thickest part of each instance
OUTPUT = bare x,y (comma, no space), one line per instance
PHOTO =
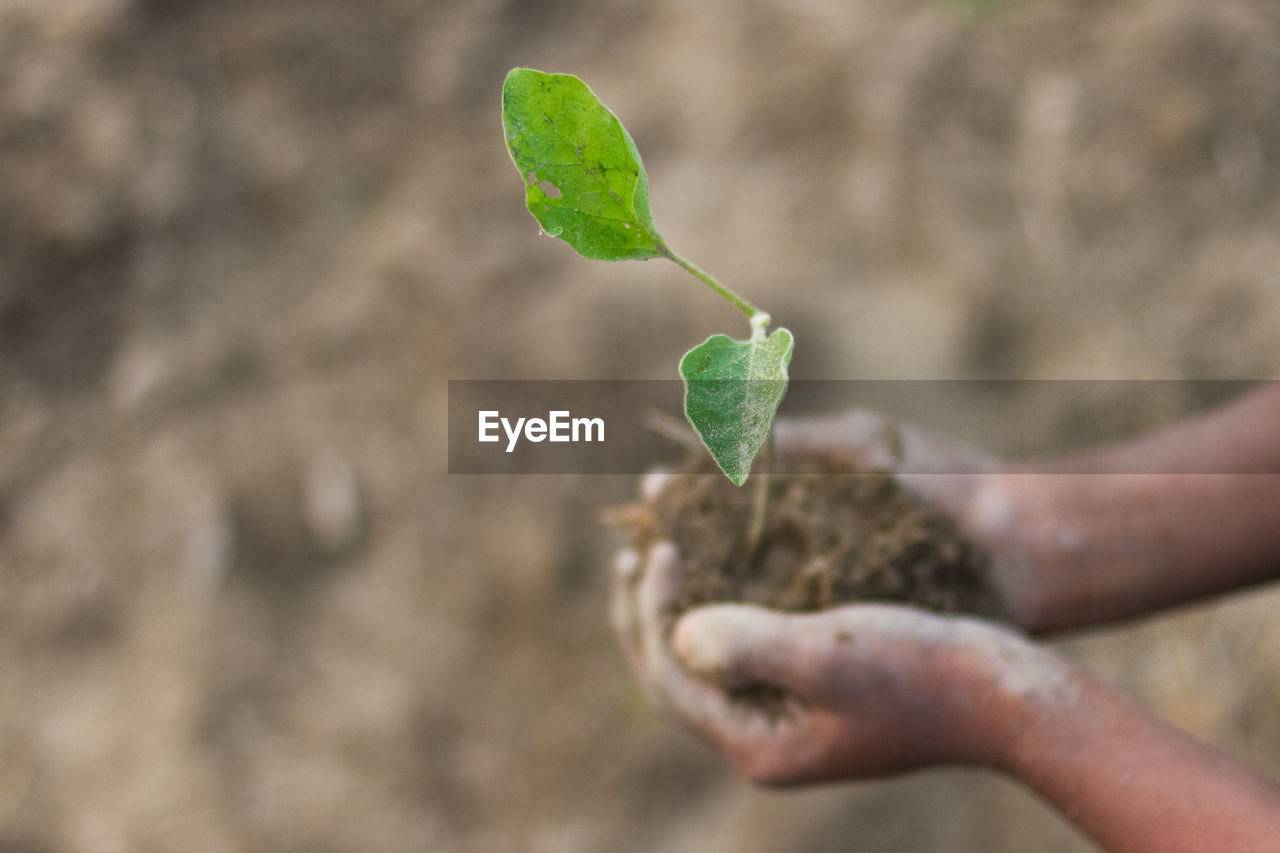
833,535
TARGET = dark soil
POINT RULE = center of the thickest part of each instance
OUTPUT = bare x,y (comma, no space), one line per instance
833,535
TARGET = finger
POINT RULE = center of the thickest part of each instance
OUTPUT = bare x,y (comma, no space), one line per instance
737,645
622,605
761,745
656,597
652,607
699,704
750,735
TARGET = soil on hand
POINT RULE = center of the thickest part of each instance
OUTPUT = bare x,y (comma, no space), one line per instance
833,535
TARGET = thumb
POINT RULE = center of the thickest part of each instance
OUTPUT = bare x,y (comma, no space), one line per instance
737,645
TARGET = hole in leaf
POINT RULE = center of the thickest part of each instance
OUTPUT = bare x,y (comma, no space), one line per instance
531,178
550,189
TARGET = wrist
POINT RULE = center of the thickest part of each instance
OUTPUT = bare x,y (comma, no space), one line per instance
997,687
1029,524
1014,516
1034,690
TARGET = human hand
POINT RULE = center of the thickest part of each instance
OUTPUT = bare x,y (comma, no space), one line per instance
1118,538
860,691
1105,533
1001,512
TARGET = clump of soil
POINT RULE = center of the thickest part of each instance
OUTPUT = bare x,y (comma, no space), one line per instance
833,535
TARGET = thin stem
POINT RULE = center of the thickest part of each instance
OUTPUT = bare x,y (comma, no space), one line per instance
760,501
759,319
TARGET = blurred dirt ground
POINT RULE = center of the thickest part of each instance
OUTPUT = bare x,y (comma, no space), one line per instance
244,245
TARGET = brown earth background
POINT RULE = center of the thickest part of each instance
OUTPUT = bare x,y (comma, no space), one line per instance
243,245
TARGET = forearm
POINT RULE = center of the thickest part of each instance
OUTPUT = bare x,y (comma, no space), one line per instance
1075,550
1185,513
1242,437
1136,784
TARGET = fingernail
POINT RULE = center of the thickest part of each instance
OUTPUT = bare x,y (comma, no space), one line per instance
699,650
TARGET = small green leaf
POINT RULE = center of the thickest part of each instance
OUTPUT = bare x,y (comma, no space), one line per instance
584,181
731,394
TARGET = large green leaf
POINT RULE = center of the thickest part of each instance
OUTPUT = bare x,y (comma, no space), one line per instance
584,181
732,391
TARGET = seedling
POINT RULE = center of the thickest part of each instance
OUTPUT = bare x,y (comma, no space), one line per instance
585,184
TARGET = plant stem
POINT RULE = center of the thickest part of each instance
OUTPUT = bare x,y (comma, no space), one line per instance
760,502
759,319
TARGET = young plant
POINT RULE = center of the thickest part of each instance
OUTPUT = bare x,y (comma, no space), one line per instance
585,184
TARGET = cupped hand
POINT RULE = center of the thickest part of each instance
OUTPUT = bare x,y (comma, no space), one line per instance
979,494
863,690
859,691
